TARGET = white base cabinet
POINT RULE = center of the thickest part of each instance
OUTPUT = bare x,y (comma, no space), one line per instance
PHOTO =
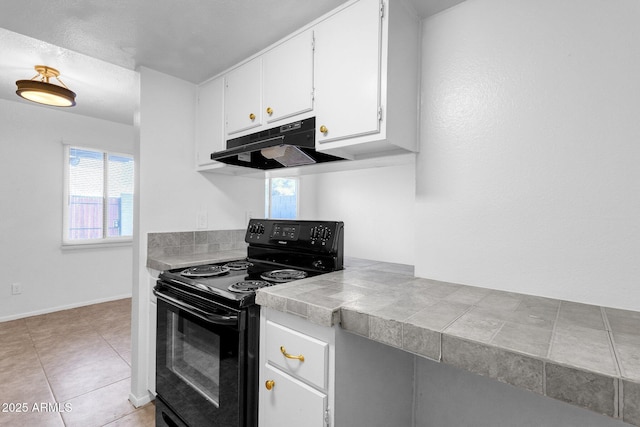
296,367
344,379
291,402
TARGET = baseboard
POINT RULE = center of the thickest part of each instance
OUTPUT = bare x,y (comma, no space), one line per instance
139,401
61,308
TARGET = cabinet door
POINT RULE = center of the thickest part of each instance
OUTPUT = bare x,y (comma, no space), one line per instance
209,121
347,72
242,96
288,78
289,402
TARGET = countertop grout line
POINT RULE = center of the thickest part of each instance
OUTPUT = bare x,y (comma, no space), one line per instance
553,331
620,389
612,345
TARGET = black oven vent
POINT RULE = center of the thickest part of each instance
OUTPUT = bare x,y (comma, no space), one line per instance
288,145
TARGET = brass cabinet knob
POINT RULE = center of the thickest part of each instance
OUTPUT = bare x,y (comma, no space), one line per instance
291,356
252,116
269,110
324,129
269,384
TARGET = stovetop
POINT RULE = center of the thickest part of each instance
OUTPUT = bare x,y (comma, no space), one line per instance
216,287
309,247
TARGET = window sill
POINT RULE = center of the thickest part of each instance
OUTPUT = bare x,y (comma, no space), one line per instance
96,245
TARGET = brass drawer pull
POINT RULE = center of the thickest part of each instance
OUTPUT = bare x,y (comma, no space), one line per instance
290,356
269,384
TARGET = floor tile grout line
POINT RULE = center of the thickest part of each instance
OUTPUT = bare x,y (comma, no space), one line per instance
95,329
44,371
42,353
112,347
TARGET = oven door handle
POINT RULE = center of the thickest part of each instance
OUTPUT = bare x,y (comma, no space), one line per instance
216,319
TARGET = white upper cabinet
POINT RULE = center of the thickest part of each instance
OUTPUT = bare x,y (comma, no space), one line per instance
288,78
366,79
347,75
355,69
271,87
209,121
243,96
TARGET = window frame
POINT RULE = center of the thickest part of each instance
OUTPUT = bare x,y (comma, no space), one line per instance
105,240
268,204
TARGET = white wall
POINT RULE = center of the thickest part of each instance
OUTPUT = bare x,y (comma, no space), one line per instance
171,193
376,205
528,178
31,184
446,397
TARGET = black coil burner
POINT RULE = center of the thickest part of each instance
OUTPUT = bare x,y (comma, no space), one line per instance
246,286
282,276
205,271
238,265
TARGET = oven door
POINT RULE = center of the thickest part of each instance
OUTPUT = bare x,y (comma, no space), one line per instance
200,361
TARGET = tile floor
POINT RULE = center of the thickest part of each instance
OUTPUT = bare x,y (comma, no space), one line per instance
70,368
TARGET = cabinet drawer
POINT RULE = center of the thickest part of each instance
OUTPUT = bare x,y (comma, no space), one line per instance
290,402
313,369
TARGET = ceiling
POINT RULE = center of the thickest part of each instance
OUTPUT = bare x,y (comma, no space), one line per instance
97,45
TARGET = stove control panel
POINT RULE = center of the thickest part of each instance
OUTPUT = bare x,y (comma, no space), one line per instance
256,228
286,232
318,236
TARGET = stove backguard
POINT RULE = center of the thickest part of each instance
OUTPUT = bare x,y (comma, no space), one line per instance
311,245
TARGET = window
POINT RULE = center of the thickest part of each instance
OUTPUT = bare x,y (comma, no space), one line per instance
98,196
281,198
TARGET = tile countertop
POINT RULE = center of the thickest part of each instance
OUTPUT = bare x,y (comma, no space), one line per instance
169,262
582,354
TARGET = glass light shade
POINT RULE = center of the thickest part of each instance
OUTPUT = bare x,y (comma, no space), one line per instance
46,93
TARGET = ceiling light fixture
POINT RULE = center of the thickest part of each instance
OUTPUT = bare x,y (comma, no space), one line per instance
43,92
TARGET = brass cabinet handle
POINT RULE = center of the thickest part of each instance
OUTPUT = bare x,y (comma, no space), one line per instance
269,384
252,116
290,356
324,129
269,110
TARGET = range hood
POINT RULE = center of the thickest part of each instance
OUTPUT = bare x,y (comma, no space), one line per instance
288,145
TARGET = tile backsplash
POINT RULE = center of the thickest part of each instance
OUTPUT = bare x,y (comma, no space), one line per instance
194,242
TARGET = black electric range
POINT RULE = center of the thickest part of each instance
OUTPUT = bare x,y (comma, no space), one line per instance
207,338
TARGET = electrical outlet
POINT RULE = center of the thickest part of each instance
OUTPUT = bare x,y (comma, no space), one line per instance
16,289
201,220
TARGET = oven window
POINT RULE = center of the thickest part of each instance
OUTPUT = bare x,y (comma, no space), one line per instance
193,354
